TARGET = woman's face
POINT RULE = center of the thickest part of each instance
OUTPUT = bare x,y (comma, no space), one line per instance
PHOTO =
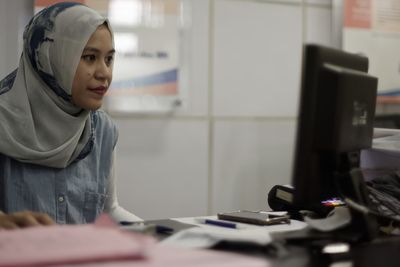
94,73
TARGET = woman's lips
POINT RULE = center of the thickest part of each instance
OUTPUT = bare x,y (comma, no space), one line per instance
101,90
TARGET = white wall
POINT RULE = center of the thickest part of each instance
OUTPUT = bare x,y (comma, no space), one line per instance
234,137
14,15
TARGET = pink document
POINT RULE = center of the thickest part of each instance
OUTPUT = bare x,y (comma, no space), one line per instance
168,256
62,244
104,244
163,255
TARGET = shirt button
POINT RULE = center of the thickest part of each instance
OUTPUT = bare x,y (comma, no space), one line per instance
60,199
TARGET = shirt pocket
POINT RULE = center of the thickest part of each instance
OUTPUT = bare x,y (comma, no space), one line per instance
93,206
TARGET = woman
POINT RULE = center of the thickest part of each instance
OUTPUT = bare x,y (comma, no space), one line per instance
56,149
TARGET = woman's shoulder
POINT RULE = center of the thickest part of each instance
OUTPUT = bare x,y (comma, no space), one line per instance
103,124
102,119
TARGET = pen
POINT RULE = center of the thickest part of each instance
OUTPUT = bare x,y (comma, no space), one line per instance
219,223
126,223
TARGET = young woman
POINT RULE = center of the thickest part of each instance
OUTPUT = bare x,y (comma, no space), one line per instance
56,147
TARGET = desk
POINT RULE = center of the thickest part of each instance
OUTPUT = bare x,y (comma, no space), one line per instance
387,105
104,244
244,232
297,249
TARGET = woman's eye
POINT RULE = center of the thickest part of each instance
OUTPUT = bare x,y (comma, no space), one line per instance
109,60
89,57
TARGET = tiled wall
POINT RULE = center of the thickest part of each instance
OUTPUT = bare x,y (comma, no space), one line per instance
234,138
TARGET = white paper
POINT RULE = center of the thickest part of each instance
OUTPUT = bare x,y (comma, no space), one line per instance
206,236
340,217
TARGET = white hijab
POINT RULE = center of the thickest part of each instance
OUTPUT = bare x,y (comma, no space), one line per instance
38,122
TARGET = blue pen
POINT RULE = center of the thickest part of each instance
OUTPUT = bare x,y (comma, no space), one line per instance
220,223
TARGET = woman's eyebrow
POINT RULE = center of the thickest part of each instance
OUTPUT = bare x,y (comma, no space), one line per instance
93,49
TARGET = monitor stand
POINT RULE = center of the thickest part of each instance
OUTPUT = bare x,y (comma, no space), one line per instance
363,227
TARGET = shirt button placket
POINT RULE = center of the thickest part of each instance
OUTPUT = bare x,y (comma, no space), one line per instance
61,198
61,209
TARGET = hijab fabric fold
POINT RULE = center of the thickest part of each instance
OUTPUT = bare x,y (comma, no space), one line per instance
38,122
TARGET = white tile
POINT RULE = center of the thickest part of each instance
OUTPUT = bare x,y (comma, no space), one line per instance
283,2
162,167
14,15
249,158
194,58
257,55
319,25
319,2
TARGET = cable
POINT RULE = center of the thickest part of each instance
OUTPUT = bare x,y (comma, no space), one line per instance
361,207
366,210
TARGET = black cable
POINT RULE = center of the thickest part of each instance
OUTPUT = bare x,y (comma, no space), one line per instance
366,210
361,207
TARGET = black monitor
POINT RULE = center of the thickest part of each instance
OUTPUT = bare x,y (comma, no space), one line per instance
336,113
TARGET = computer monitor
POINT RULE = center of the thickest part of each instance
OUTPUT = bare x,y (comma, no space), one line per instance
336,113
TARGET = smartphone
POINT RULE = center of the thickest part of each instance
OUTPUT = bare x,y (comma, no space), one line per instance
254,217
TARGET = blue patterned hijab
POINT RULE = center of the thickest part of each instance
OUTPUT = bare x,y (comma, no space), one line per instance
38,122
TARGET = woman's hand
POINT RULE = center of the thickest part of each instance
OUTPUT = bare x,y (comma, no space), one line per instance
24,219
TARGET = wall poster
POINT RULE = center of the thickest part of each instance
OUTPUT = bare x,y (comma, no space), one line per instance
372,27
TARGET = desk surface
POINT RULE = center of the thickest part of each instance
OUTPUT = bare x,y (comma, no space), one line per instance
284,252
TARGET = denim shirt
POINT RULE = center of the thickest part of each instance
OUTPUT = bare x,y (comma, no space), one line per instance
75,194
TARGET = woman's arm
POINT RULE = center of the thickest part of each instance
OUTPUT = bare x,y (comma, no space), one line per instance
23,219
117,212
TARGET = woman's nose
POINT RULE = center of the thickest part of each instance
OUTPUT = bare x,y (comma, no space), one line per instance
103,71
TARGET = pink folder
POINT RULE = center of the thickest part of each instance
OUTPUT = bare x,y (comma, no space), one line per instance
104,244
63,244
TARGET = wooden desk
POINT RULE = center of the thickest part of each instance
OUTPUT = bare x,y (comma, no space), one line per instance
388,99
388,105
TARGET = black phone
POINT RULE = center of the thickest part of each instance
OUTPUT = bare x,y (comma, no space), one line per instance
254,217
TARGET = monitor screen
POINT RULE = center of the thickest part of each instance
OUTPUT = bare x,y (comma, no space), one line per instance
336,112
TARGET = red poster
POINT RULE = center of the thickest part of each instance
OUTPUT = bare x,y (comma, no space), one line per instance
357,13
